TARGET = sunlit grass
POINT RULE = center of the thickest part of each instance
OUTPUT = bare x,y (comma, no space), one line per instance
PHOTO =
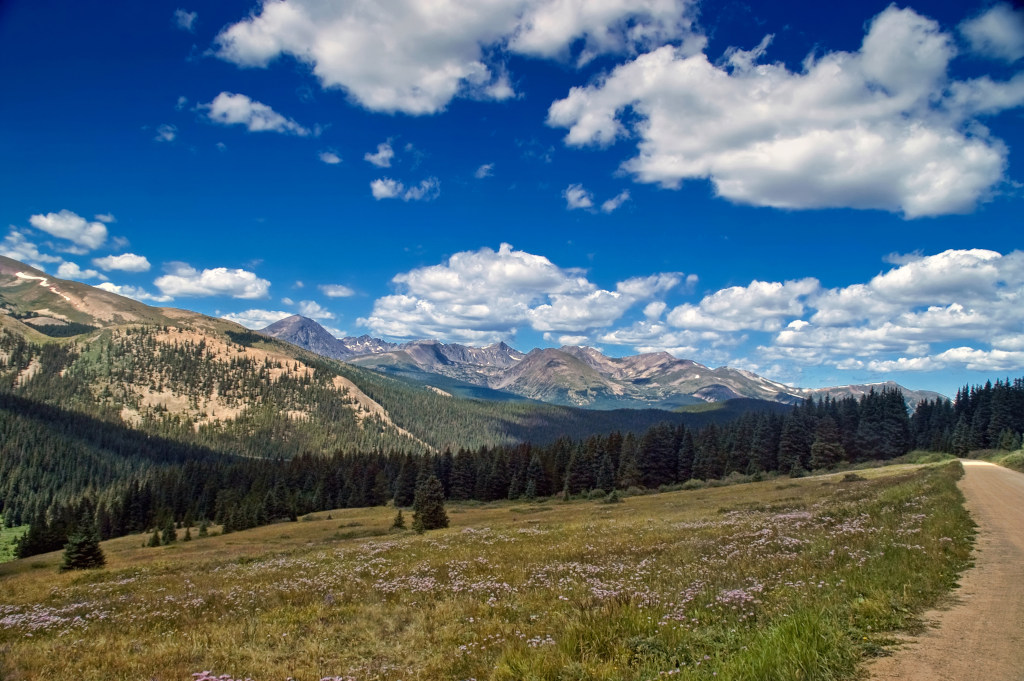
783,579
8,539
1014,460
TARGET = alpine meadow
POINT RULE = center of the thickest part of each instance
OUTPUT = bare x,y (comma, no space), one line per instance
511,340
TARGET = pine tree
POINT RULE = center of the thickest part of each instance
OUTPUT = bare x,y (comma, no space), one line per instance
154,540
428,505
399,523
405,485
826,450
83,552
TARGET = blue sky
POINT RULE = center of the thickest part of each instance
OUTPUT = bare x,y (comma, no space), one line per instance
821,194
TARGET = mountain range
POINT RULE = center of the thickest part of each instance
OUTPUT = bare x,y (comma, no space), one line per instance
570,375
209,382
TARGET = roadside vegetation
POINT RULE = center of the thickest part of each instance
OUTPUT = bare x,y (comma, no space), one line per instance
780,579
1014,460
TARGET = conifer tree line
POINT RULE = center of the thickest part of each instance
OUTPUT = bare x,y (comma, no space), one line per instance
183,487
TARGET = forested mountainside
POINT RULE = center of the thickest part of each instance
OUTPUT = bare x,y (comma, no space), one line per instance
177,374
130,482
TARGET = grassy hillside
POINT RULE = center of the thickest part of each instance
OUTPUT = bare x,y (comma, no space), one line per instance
778,580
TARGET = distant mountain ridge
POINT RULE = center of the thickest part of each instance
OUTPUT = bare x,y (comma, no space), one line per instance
570,375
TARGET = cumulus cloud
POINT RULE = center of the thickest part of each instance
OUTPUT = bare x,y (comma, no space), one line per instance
184,280
387,188
256,319
329,157
415,57
229,108
486,295
997,32
105,217
901,319
313,310
761,305
486,170
73,227
134,292
186,21
880,128
71,270
577,197
382,157
16,245
126,262
958,309
336,291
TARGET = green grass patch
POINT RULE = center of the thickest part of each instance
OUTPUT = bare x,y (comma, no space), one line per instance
755,581
1014,460
8,539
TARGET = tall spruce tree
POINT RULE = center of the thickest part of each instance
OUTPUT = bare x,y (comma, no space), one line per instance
428,505
83,552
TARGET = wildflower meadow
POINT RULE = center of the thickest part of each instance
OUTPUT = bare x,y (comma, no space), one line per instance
782,579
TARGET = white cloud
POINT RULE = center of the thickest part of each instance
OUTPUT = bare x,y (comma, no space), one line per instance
166,133
382,157
181,103
105,217
880,128
70,270
577,197
256,319
126,262
486,170
959,309
336,291
961,357
613,203
17,246
654,310
415,57
313,310
229,108
427,190
184,280
329,157
134,292
761,305
386,188
486,295
951,297
186,21
73,227
998,32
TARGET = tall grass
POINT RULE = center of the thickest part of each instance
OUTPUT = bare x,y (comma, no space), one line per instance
786,579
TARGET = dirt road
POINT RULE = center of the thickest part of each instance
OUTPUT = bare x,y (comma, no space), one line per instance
981,637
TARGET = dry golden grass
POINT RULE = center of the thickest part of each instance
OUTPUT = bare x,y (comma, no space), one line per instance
780,579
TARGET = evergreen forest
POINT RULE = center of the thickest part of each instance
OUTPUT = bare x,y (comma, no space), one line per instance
58,466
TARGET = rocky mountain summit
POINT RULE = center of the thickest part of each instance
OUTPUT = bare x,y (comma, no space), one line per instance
570,375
